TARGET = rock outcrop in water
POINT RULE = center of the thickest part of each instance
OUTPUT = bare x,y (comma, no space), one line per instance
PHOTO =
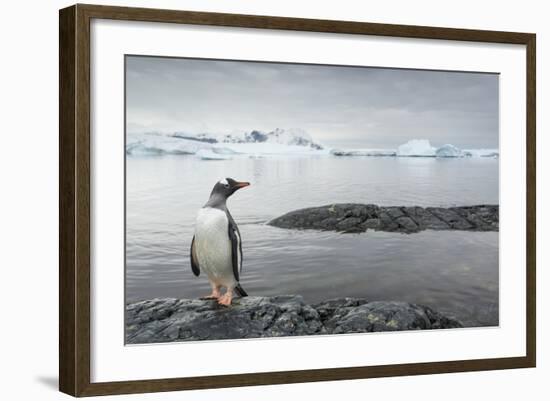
170,319
354,218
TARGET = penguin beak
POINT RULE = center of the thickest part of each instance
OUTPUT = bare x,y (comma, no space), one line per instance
239,185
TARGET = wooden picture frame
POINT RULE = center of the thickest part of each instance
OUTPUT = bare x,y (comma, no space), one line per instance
74,199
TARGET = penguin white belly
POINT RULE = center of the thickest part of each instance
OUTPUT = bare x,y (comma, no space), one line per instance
213,246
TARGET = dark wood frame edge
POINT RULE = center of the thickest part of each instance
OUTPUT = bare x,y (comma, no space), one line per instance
74,199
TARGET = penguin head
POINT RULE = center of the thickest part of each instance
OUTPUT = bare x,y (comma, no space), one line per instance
227,187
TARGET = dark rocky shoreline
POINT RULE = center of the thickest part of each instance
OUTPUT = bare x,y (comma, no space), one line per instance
170,319
355,218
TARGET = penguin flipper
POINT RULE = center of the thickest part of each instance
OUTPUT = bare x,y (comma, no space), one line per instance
236,248
194,261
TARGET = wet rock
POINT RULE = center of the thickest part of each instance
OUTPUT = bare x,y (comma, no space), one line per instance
451,217
406,224
169,319
394,212
371,223
350,224
353,218
425,219
378,316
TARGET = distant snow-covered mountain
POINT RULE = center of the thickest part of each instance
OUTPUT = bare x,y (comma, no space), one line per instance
279,136
291,137
276,142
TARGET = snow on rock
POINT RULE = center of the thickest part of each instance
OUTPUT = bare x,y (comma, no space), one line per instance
195,137
416,148
449,150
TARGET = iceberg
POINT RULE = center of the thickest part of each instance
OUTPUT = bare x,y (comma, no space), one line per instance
416,148
277,142
494,153
449,150
210,154
363,152
150,144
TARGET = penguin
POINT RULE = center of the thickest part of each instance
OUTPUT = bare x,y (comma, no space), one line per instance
216,246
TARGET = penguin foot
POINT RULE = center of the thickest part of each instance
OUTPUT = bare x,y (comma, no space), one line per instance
225,299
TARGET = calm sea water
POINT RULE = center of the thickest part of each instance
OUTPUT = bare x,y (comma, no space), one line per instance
454,272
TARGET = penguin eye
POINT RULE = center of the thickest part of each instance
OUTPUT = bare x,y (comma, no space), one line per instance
226,185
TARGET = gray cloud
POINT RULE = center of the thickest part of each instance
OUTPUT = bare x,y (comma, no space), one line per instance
338,106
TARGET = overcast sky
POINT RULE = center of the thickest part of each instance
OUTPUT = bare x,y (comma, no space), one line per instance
338,106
